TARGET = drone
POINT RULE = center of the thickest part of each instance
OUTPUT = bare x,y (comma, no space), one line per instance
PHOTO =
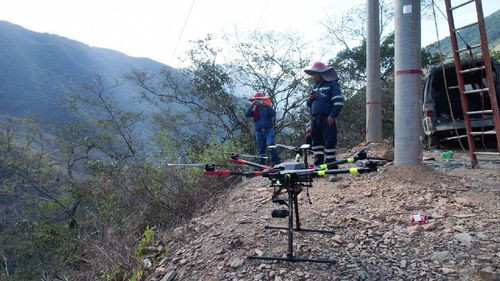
288,180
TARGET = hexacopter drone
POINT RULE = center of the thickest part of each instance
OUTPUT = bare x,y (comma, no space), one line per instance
291,178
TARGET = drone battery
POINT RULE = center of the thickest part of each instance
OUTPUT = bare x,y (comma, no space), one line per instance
290,166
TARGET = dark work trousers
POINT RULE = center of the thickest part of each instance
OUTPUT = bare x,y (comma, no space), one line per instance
265,138
324,140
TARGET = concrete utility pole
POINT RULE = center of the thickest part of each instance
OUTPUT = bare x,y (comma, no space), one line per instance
408,84
373,98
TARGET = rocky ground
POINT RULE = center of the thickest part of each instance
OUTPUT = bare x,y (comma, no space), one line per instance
370,215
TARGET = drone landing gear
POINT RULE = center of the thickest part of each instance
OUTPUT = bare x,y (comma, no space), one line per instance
294,207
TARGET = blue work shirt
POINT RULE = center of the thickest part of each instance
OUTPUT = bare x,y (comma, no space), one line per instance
265,120
328,101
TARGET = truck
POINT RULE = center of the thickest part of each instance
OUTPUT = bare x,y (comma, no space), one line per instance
443,117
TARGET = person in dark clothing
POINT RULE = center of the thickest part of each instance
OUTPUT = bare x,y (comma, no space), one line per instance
325,103
263,114
309,133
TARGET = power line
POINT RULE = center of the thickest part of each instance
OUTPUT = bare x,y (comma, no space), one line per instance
182,31
446,18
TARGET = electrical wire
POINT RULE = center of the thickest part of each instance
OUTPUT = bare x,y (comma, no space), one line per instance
446,18
182,31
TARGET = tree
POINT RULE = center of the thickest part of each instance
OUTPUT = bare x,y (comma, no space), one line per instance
351,29
351,67
103,125
272,63
495,54
198,101
38,216
206,97
350,64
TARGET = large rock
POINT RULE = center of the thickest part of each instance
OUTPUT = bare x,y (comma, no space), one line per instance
489,274
465,238
447,270
236,263
337,238
463,201
429,227
414,230
441,256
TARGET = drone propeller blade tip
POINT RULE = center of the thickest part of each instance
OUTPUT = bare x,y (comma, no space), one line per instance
284,146
186,165
248,155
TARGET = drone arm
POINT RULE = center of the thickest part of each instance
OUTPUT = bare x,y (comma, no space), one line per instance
248,163
336,163
345,171
359,155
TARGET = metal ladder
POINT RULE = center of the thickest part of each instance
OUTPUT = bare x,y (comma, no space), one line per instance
486,67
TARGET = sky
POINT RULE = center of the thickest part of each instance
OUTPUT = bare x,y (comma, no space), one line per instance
161,29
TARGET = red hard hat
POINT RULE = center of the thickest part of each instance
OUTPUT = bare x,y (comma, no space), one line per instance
258,95
261,96
326,72
317,67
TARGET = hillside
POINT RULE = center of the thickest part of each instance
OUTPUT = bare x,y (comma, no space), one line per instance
370,215
39,69
471,35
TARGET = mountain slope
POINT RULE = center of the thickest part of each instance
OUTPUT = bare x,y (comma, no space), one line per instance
39,69
471,35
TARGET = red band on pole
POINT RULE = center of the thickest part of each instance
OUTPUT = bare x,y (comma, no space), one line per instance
373,102
409,72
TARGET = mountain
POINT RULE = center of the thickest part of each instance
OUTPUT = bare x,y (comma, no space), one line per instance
38,69
471,36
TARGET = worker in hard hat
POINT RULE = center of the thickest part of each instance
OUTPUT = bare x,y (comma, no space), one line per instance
325,103
262,112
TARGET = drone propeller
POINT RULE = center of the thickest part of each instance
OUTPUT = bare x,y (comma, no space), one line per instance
239,154
186,165
299,151
205,166
362,152
248,155
283,146
292,148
